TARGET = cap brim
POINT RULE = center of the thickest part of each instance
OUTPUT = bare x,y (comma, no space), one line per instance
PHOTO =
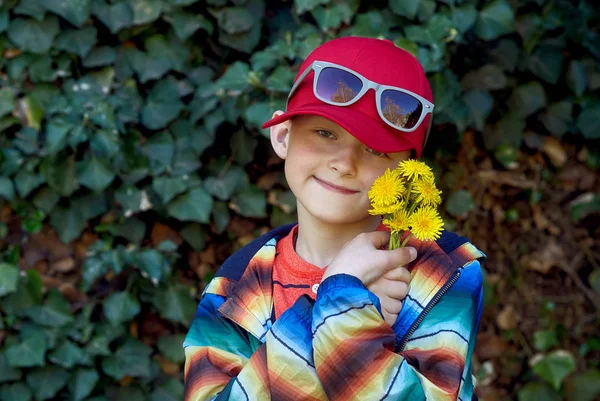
373,133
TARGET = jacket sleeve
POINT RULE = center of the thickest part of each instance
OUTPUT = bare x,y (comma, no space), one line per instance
354,348
224,362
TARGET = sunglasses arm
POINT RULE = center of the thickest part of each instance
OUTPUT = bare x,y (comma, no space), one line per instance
297,83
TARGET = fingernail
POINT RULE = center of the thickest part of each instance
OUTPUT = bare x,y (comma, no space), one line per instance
413,253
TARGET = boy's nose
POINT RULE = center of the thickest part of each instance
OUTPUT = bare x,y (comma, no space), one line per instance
344,161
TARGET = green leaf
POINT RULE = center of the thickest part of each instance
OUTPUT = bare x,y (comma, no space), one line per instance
257,114
57,131
546,63
576,79
66,355
168,187
173,51
538,392
7,372
459,203
195,205
60,173
7,189
55,312
236,20
145,11
74,11
100,56
495,19
7,101
235,78
3,19
78,41
333,15
405,8
47,381
29,292
163,104
226,183
82,383
480,105
545,339
33,36
30,352
186,24
583,386
15,392
594,280
250,203
95,174
528,99
171,390
33,8
307,5
221,216
152,264
558,118
9,277
130,359
281,80
554,367
171,347
407,45
121,307
464,17
175,303
588,121
115,17
26,182
195,235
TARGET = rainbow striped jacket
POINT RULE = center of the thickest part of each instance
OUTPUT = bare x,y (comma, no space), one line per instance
337,347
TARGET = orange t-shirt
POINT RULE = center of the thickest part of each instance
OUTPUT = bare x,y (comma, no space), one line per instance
292,275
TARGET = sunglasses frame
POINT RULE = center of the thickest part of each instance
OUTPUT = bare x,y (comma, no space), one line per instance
318,66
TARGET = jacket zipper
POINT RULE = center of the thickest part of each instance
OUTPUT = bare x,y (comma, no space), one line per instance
425,311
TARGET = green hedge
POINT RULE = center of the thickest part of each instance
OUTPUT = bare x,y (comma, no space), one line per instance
116,115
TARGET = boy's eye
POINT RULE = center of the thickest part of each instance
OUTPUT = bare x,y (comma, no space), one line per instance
376,153
325,133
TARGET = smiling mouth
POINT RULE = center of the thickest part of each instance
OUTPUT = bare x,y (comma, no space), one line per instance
335,188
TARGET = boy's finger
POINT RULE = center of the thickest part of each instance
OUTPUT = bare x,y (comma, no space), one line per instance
378,238
399,257
398,274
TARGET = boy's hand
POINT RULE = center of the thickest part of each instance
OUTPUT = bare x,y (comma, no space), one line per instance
379,270
391,289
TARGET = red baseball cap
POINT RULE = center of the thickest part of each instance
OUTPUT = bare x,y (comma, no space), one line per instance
378,60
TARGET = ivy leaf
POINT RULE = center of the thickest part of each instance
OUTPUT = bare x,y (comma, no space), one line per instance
47,381
170,390
67,355
583,386
227,183
405,8
195,235
7,372
7,189
33,36
307,5
77,41
175,303
528,99
15,392
74,11
554,367
95,174
538,392
130,359
30,352
9,277
163,104
495,19
7,101
252,202
558,118
55,312
236,20
115,17
171,346
459,203
545,339
168,187
82,383
235,78
146,11
60,174
33,8
152,264
280,80
576,79
588,121
26,182
195,205
120,307
186,24
546,63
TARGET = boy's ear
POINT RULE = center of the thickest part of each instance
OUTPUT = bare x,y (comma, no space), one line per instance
280,135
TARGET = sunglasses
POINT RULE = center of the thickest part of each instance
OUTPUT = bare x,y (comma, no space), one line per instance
340,86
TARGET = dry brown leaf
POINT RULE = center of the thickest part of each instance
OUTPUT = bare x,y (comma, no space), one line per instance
489,346
507,318
63,265
544,259
162,232
555,151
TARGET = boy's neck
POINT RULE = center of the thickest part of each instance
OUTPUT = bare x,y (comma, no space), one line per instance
319,242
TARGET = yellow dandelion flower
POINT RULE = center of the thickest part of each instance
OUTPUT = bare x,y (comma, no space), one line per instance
427,193
386,189
398,222
426,224
412,168
381,210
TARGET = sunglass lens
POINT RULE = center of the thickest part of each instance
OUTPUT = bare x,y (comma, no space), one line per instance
338,86
401,109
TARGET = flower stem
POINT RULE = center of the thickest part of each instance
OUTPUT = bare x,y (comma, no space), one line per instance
406,240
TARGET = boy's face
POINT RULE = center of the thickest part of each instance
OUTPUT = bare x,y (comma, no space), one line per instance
330,171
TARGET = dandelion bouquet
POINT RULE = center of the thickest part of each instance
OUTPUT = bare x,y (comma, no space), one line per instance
407,198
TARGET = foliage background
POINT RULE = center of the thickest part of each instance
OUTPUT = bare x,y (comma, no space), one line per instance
133,164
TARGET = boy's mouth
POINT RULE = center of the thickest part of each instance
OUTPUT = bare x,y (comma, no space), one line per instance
335,188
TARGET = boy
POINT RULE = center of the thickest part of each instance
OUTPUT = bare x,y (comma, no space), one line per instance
318,310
